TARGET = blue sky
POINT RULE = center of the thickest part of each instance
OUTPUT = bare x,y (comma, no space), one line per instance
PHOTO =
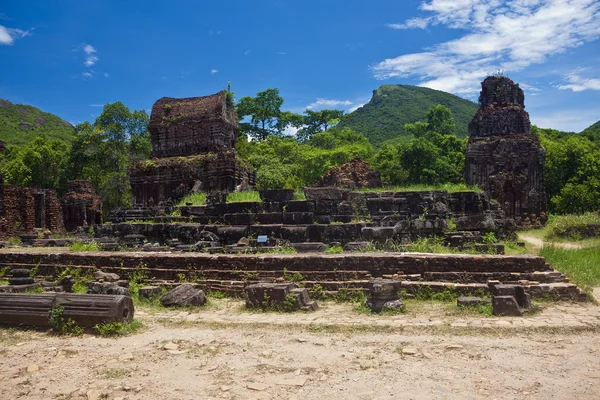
71,57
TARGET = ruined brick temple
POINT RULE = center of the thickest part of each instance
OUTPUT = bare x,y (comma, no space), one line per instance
503,157
81,205
354,174
192,148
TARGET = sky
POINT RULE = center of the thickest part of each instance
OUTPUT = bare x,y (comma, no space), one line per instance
72,57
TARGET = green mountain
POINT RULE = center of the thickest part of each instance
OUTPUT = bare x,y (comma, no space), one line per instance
392,106
20,123
592,132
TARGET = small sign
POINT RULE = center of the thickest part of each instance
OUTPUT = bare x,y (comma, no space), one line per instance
261,239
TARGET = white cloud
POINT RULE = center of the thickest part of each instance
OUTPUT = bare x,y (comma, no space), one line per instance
106,75
508,35
96,105
9,35
281,53
411,23
328,103
90,55
87,75
247,52
354,108
213,71
577,83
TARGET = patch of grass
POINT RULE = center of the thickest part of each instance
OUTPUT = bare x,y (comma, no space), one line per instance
337,249
582,266
243,197
82,246
295,277
197,199
571,226
430,245
216,294
447,187
285,249
14,240
118,328
35,290
136,280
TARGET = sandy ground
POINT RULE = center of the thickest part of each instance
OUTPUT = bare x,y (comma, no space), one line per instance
538,243
202,360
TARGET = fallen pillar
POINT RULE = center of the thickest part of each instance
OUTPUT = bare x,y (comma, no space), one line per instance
86,310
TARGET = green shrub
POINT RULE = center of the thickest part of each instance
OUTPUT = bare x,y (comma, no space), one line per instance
62,325
573,226
336,249
118,328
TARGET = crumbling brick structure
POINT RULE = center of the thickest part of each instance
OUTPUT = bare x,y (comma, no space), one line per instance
22,209
193,148
352,175
503,157
81,205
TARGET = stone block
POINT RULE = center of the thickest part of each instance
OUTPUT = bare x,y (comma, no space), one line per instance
276,195
506,306
471,301
149,292
324,193
184,295
310,247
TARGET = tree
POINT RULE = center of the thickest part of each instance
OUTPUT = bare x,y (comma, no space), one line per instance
317,121
266,117
102,152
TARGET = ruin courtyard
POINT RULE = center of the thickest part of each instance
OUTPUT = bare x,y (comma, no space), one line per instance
334,294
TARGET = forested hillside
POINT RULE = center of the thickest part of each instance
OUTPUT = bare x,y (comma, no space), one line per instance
592,132
20,124
392,106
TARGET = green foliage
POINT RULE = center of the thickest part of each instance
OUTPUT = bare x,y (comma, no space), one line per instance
109,329
39,163
426,293
295,277
34,290
318,292
197,199
243,197
20,124
570,226
14,240
284,163
266,117
592,132
489,238
216,294
62,325
394,106
433,157
337,249
136,280
102,152
571,171
317,121
83,246
582,266
429,245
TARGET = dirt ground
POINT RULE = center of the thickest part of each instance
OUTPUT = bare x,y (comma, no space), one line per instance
176,357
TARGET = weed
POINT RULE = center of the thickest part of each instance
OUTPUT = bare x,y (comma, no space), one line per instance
490,238
217,294
582,266
136,279
197,199
318,292
295,277
34,290
62,325
14,241
82,246
118,328
336,249
244,197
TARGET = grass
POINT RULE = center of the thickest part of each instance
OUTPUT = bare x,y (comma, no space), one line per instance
118,329
569,226
196,199
447,187
582,266
244,197
82,246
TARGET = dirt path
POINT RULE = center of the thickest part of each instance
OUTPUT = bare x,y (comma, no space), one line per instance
177,357
538,243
